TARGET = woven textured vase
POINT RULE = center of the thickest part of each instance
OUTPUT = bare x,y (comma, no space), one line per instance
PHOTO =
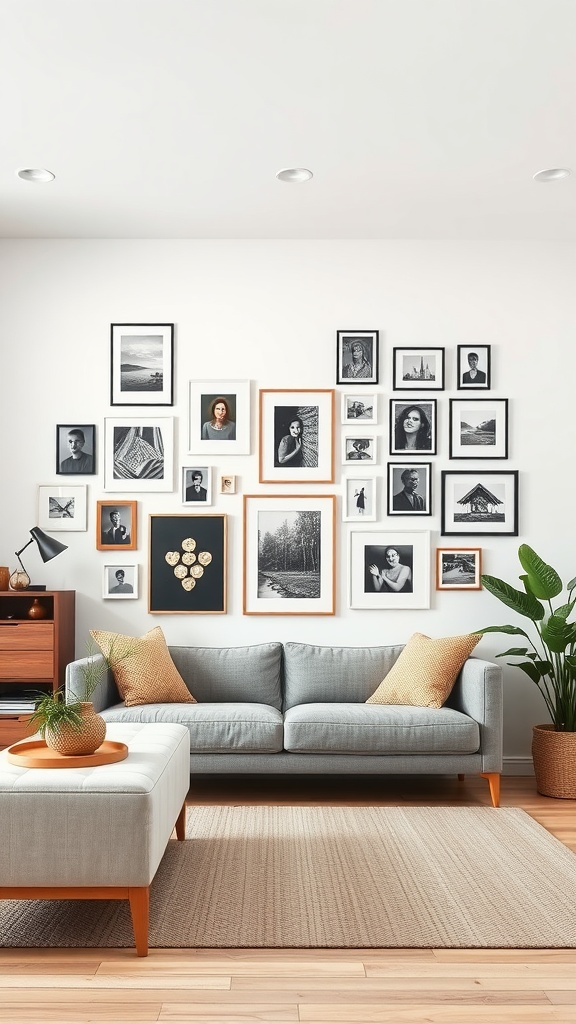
554,756
73,743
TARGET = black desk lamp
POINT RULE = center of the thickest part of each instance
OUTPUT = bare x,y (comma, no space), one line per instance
48,548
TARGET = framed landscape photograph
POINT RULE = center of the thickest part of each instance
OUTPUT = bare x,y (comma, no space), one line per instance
196,485
357,357
61,507
480,503
139,454
289,554
359,502
412,427
458,568
187,564
359,408
478,428
296,436
142,364
473,367
120,582
418,369
410,489
75,449
219,417
389,570
358,448
116,525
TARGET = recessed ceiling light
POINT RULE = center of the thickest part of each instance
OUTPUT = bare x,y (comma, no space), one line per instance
36,174
552,174
294,175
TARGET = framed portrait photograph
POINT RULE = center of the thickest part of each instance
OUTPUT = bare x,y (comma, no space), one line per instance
187,564
357,357
142,364
418,369
139,454
458,568
410,489
389,570
412,426
116,525
296,436
359,502
359,408
480,502
289,554
219,417
228,484
473,367
358,448
61,507
478,428
196,485
75,449
120,582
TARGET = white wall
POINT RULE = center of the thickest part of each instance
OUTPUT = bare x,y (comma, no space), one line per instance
269,311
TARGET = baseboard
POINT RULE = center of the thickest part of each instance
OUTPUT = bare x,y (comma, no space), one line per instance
518,766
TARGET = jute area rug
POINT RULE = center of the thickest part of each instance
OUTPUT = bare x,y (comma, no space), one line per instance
335,877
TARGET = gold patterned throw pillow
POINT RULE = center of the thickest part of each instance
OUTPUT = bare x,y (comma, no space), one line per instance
426,671
143,669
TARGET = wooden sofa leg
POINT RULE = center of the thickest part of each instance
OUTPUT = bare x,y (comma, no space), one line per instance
461,777
494,783
139,897
181,823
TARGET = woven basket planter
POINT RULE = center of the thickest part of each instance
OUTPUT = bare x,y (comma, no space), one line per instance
554,756
74,743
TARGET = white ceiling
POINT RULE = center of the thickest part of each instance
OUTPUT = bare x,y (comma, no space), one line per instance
169,118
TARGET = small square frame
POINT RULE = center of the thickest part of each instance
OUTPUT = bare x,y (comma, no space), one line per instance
458,568
357,408
425,437
482,517
65,463
110,581
228,483
369,550
418,369
127,525
141,364
398,502
365,370
189,494
359,499
474,443
357,448
482,381
62,508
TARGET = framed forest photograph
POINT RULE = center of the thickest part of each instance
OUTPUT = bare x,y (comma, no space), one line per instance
389,570
142,364
187,564
296,436
478,502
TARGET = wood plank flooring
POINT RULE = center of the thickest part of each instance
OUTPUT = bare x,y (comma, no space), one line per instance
376,986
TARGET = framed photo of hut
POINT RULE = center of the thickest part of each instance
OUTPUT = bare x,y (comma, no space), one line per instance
478,503
478,428
297,436
458,568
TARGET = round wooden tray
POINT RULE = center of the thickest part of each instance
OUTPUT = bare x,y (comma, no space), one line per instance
35,754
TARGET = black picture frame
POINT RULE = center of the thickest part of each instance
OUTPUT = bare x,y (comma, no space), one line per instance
75,447
187,564
484,517
478,428
398,499
366,370
411,370
141,364
483,381
399,408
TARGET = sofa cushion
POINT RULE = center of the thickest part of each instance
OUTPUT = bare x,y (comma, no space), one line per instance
334,673
237,674
142,667
378,729
221,728
426,671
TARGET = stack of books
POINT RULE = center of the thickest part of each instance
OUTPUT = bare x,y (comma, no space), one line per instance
19,707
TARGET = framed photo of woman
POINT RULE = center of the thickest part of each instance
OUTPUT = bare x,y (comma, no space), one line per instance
389,570
296,436
412,427
357,357
219,417
359,501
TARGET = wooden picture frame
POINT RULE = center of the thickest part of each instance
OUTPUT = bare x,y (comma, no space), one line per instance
479,502
188,561
458,568
142,364
296,438
116,525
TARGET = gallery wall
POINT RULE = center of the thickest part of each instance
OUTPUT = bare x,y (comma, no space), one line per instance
268,312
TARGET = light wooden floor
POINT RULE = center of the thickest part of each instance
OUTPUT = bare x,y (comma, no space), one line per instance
373,986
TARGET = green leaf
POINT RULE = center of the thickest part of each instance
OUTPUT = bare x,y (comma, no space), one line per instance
571,584
524,604
564,610
543,580
545,668
517,652
556,634
530,670
570,661
510,630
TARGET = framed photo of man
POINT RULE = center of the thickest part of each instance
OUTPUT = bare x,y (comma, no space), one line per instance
120,582
410,489
75,449
116,525
357,357
389,570
296,436
196,485
473,367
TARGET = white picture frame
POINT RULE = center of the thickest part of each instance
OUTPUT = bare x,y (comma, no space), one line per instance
62,507
373,551
196,485
358,447
478,428
358,408
139,454
114,585
205,439
359,499
296,435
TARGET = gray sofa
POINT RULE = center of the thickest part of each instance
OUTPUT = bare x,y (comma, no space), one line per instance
301,708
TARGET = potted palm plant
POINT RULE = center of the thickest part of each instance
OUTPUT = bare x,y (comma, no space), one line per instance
72,728
549,661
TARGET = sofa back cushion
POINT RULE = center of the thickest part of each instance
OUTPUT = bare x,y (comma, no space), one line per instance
232,674
333,674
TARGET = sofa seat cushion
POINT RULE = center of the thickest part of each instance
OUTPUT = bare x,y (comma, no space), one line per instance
378,729
214,728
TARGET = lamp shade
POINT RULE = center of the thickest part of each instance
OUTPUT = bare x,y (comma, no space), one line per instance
47,546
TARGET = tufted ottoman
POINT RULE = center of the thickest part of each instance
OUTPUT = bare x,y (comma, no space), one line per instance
96,833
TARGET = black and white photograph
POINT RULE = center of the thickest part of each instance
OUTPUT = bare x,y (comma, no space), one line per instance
358,448
473,367
62,508
75,449
139,454
412,426
390,570
120,581
478,428
458,568
188,562
289,555
141,364
219,417
116,525
418,369
410,489
357,357
296,436
359,502
481,503
227,484
358,408
196,485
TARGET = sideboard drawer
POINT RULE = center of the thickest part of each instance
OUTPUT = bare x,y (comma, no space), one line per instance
26,636
32,665
14,729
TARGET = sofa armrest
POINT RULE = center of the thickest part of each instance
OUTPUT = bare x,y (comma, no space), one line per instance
105,694
478,693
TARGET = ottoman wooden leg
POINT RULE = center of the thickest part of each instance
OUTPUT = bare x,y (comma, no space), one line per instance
494,783
181,823
140,909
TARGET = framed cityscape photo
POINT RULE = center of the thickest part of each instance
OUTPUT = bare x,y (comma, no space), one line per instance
480,503
473,367
412,427
296,436
358,448
418,369
219,417
120,581
478,428
61,507
389,570
458,568
196,485
357,357
116,525
75,449
359,503
142,364
359,408
187,564
289,554
139,454
410,489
